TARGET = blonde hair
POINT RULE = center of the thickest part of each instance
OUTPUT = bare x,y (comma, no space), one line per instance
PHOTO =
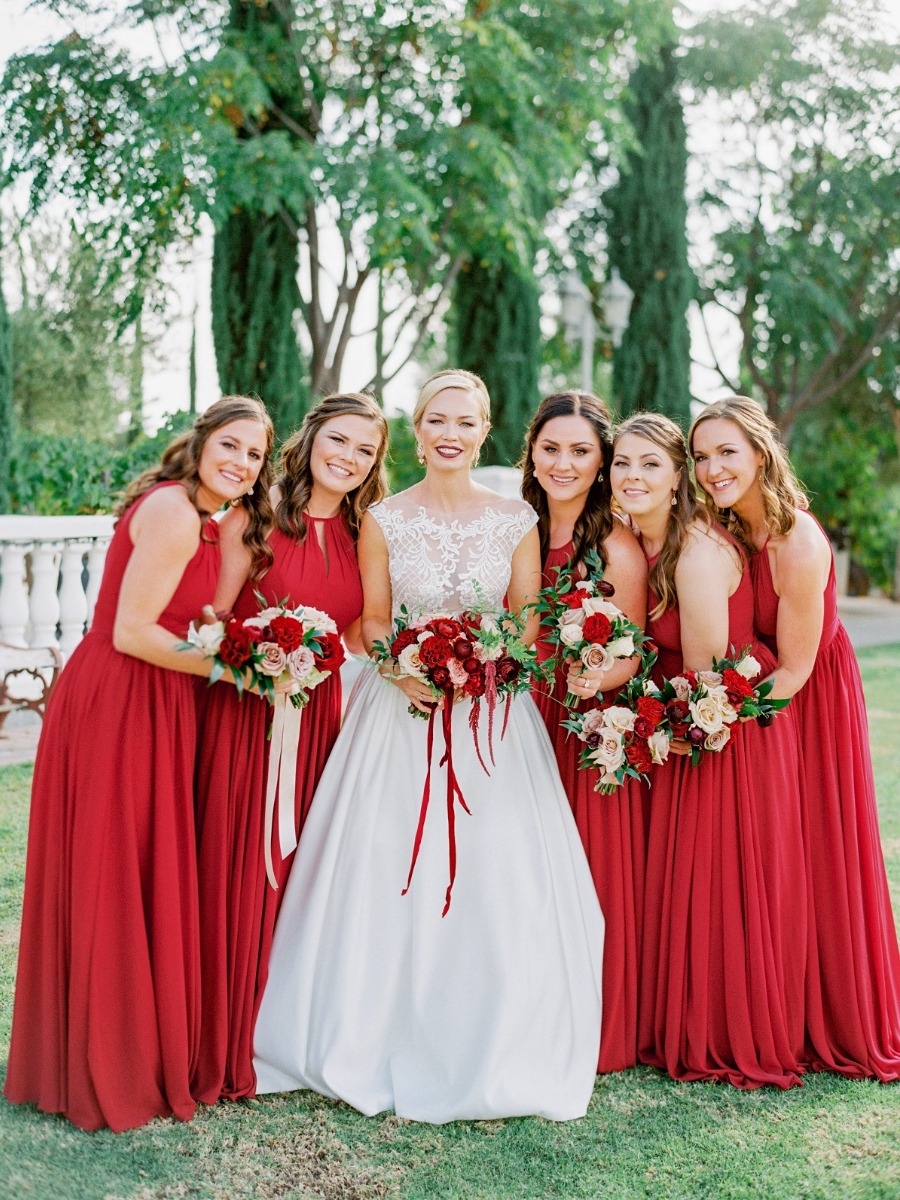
181,462
453,377
781,490
665,434
295,476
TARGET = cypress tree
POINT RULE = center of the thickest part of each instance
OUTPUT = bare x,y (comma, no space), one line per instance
254,271
6,403
497,322
648,243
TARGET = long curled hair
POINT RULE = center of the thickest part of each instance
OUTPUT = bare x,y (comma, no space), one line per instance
595,521
181,462
665,434
295,474
782,491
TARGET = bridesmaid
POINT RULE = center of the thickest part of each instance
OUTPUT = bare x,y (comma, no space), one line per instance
566,481
331,471
106,1021
853,978
725,902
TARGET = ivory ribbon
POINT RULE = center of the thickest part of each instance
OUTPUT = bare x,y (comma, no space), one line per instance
281,784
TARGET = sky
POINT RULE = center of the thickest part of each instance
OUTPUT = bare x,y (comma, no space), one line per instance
22,25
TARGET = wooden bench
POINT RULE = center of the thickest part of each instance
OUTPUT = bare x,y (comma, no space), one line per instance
40,664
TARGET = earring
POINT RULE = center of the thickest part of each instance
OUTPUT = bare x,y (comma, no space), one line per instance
674,499
250,490
420,453
599,476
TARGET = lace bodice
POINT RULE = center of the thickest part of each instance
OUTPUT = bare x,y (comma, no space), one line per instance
442,563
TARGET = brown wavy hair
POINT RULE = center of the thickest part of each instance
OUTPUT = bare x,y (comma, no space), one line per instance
781,490
181,462
595,522
665,434
295,476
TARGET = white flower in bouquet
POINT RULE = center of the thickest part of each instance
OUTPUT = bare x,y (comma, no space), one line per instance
681,687
570,635
597,604
300,664
273,661
573,616
712,679
410,663
658,744
609,753
619,718
596,657
262,619
207,638
748,667
712,712
621,647
717,740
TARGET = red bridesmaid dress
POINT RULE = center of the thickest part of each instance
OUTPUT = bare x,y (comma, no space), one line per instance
724,937
238,907
613,832
106,1021
853,978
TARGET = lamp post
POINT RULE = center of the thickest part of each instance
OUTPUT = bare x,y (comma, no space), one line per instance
578,316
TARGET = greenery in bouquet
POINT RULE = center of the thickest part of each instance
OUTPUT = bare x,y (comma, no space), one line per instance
582,623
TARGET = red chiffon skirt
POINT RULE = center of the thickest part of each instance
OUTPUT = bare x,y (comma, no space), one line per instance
238,906
107,1011
723,966
613,831
853,985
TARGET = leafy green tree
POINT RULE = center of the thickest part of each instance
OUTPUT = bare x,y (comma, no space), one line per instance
6,402
498,335
648,243
804,210
353,125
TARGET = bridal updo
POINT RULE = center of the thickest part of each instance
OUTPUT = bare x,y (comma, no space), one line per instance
466,381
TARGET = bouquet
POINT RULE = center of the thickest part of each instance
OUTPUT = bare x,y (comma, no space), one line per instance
474,654
295,646
279,645
624,739
701,706
583,622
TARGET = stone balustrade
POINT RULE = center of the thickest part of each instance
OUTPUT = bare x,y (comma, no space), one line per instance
50,571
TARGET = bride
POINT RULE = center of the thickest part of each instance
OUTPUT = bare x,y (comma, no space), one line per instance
373,998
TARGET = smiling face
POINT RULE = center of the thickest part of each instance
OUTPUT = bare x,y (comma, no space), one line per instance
567,457
643,477
725,463
230,462
451,430
342,454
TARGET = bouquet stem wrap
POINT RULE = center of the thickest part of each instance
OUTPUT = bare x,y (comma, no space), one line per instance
281,783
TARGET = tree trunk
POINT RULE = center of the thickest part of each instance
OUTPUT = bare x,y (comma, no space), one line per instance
498,336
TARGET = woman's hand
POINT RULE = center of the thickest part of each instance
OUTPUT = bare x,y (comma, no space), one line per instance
417,692
584,684
680,746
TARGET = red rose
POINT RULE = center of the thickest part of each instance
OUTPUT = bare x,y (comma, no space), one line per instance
445,627
474,685
691,677
332,653
643,727
638,755
507,671
462,648
597,629
574,599
402,640
440,677
287,632
435,651
237,645
653,710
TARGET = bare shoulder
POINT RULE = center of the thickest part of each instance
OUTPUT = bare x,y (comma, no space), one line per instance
804,547
167,514
707,545
622,546
233,525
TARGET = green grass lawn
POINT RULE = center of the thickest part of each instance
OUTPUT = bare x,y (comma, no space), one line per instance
644,1136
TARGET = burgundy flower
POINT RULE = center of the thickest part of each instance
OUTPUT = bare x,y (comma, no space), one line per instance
445,627
696,735
402,640
440,677
643,727
475,684
435,651
462,648
507,671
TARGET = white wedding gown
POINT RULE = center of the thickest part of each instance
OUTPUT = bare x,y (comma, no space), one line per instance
372,997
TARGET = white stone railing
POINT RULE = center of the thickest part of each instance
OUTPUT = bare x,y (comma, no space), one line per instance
50,571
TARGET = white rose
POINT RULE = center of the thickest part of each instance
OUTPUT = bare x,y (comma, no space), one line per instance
711,678
619,718
489,625
424,636
592,723
570,635
274,659
748,667
261,620
585,584
658,745
607,780
596,657
597,604
681,687
718,740
207,638
573,616
300,663
314,618
609,754
410,663
650,688
711,713
621,647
